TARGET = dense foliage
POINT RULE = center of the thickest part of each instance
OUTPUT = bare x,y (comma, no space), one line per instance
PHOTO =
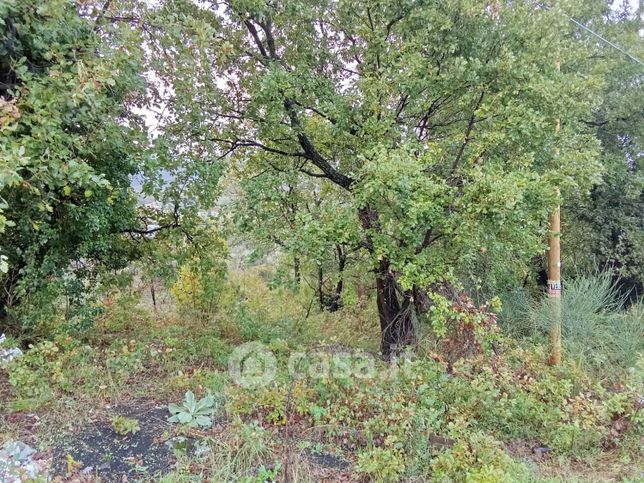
606,227
479,419
304,240
432,144
68,146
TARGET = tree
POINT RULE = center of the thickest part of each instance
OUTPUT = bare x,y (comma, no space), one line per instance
282,210
606,227
431,120
68,144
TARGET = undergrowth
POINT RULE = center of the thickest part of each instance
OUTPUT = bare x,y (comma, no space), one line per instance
426,418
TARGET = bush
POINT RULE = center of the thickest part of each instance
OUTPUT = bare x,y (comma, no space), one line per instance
199,287
380,464
49,366
123,315
395,418
478,458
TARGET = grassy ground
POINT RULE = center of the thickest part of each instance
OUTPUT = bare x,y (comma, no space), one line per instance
339,414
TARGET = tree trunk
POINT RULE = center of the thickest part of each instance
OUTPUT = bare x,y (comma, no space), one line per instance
396,318
336,302
154,295
8,323
297,275
320,289
421,300
332,300
3,314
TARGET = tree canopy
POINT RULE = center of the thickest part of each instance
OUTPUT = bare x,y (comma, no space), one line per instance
436,143
68,143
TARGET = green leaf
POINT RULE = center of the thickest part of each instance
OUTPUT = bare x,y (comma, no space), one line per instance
184,417
203,421
190,401
174,408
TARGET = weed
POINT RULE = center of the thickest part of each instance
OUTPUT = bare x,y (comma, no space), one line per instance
191,412
125,426
380,464
478,458
597,332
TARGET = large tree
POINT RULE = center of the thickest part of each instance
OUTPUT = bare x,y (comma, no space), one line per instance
431,120
605,228
68,143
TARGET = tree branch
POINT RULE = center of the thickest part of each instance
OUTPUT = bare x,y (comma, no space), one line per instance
149,231
258,42
312,154
427,240
468,133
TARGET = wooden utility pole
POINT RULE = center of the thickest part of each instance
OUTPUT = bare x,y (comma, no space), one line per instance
554,266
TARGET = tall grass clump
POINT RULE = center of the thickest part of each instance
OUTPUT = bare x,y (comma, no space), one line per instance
597,329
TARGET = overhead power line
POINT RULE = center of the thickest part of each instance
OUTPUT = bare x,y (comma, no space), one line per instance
616,47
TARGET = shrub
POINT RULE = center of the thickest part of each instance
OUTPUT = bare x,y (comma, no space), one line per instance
123,315
479,458
380,464
49,366
124,359
463,328
199,287
31,374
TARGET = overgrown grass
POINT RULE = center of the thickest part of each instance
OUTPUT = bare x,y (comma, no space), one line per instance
243,452
597,330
